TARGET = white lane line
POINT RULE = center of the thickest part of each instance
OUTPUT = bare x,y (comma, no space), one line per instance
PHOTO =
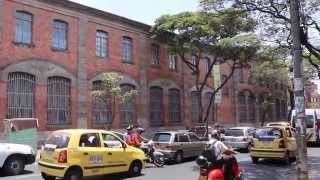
23,176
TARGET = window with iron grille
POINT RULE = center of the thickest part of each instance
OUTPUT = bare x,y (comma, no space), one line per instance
173,59
174,105
58,100
101,44
155,54
21,90
195,95
128,108
60,35
127,50
207,97
206,64
23,27
156,106
101,107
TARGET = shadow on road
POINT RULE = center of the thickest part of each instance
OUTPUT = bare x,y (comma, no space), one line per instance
25,172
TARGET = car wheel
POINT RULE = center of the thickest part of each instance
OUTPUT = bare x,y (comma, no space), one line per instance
73,174
286,159
178,157
13,166
255,160
46,177
135,168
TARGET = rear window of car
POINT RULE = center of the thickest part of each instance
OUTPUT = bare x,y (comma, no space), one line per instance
269,132
59,139
234,132
162,137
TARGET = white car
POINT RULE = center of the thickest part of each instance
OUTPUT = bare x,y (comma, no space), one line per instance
239,137
14,157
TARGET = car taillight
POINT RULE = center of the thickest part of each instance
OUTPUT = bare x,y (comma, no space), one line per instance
203,172
282,144
168,147
63,156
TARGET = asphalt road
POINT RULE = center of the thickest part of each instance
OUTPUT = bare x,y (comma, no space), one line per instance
265,170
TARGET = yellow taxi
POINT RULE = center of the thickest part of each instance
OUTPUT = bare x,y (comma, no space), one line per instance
280,123
76,153
274,142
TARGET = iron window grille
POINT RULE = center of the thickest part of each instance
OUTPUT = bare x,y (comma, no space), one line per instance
156,106
206,64
155,54
195,106
58,100
173,62
21,90
128,108
174,105
101,109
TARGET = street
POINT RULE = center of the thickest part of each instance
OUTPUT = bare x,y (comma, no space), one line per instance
264,170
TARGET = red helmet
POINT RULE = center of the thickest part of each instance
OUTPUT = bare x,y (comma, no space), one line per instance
216,174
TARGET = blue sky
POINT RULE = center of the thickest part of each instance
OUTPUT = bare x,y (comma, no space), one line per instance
145,11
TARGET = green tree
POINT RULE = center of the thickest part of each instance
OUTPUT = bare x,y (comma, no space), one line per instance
111,91
226,35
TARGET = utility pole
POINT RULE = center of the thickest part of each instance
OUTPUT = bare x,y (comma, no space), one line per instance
302,171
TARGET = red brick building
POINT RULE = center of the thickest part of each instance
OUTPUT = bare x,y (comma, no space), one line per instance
53,54
312,96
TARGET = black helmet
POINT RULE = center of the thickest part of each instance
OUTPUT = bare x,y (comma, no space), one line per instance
129,128
140,130
202,161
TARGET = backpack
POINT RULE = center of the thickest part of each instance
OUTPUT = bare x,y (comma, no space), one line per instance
210,153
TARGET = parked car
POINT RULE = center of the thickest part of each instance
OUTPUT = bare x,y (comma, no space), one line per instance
239,137
176,145
280,123
276,142
14,157
76,153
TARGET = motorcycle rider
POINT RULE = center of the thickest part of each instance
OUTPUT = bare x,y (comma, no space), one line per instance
224,156
128,136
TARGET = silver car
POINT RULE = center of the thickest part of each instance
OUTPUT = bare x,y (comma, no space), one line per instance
176,145
238,137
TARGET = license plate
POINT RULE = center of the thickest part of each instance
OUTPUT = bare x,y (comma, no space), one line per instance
49,154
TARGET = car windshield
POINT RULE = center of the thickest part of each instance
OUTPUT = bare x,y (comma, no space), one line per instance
234,132
309,121
162,137
268,132
60,140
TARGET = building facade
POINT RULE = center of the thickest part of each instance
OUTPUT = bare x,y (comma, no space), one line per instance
53,54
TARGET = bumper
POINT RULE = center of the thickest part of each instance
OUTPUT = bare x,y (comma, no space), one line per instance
264,153
30,159
237,145
52,169
168,155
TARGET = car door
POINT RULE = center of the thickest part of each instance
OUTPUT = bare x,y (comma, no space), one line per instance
115,154
291,141
196,145
91,154
185,144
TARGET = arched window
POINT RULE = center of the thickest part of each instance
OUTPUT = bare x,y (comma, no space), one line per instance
60,35
58,100
127,49
128,109
195,95
207,97
156,106
23,27
174,105
21,91
101,107
101,44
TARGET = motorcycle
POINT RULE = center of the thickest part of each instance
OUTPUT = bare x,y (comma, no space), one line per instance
218,171
153,156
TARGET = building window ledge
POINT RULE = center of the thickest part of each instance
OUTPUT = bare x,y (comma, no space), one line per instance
26,45
59,50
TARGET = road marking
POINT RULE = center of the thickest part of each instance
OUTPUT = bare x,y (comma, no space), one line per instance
28,176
